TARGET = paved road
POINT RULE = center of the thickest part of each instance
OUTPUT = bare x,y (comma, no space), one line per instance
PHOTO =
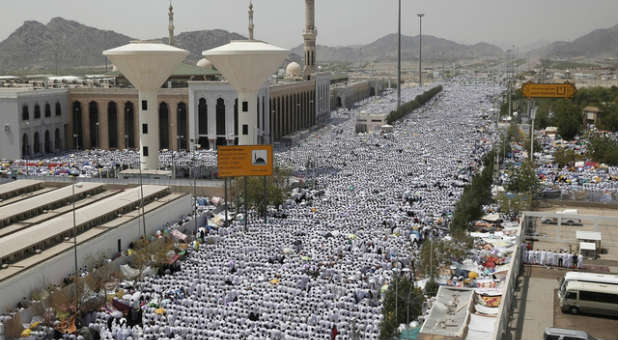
536,308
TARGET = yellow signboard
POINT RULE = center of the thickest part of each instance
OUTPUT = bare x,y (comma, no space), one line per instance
245,160
531,90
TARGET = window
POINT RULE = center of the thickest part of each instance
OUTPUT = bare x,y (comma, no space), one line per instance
47,110
145,129
145,151
119,245
144,105
58,109
571,296
37,111
25,113
598,297
245,106
245,129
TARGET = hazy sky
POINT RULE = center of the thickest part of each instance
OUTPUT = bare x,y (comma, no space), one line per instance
339,22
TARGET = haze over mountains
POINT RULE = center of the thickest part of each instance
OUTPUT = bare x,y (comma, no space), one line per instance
596,44
66,44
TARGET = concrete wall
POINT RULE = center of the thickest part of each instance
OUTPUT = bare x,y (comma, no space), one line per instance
10,138
57,268
13,128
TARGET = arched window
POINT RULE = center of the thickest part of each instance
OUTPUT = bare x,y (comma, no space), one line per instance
112,124
47,144
181,129
58,109
37,143
25,112
202,112
236,117
37,111
77,125
221,137
25,146
57,140
164,127
47,110
129,125
93,111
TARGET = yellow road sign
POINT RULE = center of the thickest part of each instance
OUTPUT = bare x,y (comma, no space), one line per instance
245,160
531,90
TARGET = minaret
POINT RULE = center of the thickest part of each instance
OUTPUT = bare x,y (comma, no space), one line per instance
310,36
171,25
251,26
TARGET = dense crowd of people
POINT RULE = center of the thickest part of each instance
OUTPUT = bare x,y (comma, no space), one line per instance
320,271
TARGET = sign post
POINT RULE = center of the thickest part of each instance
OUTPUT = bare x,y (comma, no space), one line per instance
245,161
532,90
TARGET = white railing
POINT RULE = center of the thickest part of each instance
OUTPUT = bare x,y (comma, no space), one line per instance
506,305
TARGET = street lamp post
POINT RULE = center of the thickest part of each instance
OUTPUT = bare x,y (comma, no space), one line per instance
97,139
420,50
197,146
74,173
399,59
141,187
532,116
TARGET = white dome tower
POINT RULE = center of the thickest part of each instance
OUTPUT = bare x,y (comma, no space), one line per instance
147,65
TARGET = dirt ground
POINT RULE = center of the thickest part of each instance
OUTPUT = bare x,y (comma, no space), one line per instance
602,327
534,294
609,234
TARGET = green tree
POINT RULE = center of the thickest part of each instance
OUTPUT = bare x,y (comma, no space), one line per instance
565,157
409,302
524,178
603,150
568,119
276,189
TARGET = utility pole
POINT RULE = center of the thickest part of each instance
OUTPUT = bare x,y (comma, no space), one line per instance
399,59
420,50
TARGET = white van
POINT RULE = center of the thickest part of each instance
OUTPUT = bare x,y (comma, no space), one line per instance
593,298
611,279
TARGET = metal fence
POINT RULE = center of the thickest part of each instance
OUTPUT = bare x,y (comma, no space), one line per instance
604,197
124,181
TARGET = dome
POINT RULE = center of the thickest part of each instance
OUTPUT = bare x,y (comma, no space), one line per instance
293,70
204,63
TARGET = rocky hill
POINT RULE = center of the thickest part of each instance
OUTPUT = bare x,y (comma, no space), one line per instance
62,43
66,44
596,44
385,48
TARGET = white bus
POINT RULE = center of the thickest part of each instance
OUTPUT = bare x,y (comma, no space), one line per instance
586,277
594,298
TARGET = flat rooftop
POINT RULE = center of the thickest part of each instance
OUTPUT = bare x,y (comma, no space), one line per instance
11,189
12,211
449,315
55,227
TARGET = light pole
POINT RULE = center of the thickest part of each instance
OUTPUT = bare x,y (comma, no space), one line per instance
532,116
399,59
420,50
74,173
197,146
97,139
141,187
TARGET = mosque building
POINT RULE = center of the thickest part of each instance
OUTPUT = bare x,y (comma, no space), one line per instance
196,107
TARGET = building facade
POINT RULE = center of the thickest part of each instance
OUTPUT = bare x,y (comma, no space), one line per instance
33,122
213,114
107,118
